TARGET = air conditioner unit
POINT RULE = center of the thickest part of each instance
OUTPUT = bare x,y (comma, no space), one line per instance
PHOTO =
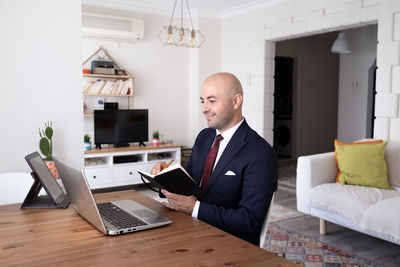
112,28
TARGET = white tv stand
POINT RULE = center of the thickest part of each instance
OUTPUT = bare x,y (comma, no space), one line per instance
110,167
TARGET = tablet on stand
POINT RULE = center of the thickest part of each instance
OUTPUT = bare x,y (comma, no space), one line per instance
55,198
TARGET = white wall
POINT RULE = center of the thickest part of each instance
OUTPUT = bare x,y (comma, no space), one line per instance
237,56
206,61
353,83
40,51
315,94
167,79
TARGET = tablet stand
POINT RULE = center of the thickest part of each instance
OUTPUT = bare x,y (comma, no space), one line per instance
34,201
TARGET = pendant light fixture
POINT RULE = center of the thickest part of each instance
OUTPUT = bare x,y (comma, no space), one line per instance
341,45
182,37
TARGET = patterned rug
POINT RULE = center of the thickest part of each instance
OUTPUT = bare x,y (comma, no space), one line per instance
308,252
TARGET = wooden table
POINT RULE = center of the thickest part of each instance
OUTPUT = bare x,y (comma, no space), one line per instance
62,237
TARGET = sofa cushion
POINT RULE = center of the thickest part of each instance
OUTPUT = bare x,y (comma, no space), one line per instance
383,219
362,164
362,141
349,201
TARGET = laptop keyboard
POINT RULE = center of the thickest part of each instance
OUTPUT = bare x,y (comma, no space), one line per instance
118,217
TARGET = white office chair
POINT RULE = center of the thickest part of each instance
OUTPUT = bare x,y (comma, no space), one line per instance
265,224
14,187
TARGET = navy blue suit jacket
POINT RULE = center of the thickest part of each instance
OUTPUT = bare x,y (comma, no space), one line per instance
236,203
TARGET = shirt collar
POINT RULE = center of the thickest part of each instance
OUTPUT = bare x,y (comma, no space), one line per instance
227,135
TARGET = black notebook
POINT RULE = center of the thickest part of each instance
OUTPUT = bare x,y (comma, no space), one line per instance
174,179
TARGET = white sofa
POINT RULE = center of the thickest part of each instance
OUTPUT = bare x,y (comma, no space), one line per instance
369,210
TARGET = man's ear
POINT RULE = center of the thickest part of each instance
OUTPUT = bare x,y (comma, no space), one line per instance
237,101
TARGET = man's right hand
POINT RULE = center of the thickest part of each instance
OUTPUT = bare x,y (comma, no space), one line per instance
158,167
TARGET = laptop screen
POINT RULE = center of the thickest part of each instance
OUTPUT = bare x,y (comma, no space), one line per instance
43,173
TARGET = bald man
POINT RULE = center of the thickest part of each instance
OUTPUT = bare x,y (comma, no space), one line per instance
236,168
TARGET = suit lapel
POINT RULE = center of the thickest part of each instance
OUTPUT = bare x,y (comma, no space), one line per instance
237,142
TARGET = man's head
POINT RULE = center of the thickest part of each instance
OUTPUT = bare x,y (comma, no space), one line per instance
222,97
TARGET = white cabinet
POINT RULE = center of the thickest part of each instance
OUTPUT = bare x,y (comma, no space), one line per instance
110,167
128,173
99,176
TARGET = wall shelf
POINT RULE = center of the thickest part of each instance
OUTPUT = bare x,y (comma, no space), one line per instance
87,94
106,87
108,76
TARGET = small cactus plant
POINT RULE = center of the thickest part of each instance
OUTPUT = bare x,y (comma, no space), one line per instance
86,138
86,143
45,143
156,137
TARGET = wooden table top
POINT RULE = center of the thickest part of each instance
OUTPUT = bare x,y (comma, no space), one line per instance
62,237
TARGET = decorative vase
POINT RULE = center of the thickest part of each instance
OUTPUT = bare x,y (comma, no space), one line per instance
156,142
87,146
52,167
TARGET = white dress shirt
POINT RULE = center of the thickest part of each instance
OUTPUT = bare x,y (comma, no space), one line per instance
227,135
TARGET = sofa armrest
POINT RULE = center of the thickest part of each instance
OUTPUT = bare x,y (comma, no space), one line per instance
311,171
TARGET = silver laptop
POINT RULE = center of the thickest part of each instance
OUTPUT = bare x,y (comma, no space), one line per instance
112,218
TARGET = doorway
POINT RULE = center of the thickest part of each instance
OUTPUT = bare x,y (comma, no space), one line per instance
371,100
320,96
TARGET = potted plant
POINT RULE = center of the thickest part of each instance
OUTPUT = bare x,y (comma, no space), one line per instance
46,147
156,140
87,145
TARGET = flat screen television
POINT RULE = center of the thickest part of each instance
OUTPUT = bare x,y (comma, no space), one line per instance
120,127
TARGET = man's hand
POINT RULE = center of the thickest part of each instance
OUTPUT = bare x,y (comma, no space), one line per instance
179,202
158,167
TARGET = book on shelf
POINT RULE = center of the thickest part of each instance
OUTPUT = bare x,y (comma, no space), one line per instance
92,87
174,179
125,88
120,88
108,87
105,88
117,88
87,86
114,87
97,87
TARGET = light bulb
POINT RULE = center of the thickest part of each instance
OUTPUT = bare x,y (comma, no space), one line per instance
193,39
182,40
170,39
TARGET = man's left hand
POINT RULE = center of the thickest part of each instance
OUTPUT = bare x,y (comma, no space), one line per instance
179,202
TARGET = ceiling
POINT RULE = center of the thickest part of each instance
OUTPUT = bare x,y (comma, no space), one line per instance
202,8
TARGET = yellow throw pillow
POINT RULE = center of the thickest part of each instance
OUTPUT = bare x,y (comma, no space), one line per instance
362,163
337,142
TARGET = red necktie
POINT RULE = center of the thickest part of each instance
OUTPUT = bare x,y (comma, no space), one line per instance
210,160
